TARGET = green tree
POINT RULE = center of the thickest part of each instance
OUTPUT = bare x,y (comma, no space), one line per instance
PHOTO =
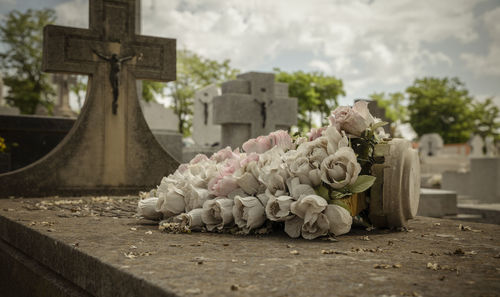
486,119
394,104
21,62
316,93
443,106
194,72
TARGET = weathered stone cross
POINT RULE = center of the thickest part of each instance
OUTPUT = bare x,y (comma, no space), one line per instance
110,148
63,83
253,105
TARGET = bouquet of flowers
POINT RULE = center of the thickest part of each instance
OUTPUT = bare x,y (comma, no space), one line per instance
309,185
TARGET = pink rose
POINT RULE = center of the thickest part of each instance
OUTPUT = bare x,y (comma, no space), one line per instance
257,145
224,154
262,144
353,120
198,158
282,139
315,133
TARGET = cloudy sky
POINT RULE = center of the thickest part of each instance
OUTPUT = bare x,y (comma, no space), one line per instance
373,46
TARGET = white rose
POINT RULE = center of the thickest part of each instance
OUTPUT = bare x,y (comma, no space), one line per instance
298,189
339,218
309,209
340,169
171,202
194,197
192,220
353,120
317,226
249,212
217,213
274,180
315,151
335,139
308,206
248,183
278,208
146,208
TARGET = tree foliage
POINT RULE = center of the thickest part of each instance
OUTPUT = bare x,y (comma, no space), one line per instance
443,106
394,104
21,62
193,73
487,119
316,93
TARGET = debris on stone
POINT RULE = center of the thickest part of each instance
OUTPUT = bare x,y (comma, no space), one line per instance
175,245
433,266
289,246
225,244
437,224
51,230
445,235
329,252
193,291
133,229
133,247
365,238
442,278
234,287
390,242
174,228
497,256
294,252
130,255
382,266
148,232
464,228
417,252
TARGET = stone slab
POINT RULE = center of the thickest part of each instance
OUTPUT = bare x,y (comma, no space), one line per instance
488,213
437,203
90,252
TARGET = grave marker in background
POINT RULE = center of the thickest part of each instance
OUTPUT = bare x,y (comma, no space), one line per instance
110,149
63,83
477,146
253,105
205,132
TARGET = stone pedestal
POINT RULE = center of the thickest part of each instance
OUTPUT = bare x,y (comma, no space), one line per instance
437,203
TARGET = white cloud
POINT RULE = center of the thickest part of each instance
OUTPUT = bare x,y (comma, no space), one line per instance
487,64
73,13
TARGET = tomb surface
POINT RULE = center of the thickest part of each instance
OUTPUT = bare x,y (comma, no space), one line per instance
94,246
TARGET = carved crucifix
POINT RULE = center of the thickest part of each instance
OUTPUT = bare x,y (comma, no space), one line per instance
101,151
114,74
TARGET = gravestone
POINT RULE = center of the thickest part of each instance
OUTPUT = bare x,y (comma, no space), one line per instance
205,132
491,148
110,149
477,146
63,83
253,105
430,145
164,124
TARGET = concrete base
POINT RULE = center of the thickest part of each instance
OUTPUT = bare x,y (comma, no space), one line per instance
110,253
437,203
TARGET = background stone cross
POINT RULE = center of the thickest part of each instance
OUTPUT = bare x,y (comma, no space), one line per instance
252,105
63,83
103,152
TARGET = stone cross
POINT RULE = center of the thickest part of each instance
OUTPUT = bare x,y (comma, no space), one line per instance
63,83
477,146
430,144
110,149
205,132
253,105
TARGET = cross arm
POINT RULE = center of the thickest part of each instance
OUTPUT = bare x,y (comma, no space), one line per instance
68,50
156,58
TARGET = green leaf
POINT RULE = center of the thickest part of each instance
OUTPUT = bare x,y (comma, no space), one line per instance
337,195
378,125
363,183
